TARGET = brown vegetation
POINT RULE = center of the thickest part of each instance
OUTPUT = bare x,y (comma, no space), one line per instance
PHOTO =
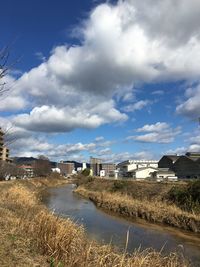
134,189
138,200
33,236
42,166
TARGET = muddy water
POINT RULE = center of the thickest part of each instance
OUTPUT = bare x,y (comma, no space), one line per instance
108,228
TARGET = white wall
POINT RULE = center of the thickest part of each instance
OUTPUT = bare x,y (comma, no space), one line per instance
143,174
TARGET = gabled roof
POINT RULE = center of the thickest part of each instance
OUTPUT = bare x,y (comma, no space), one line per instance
26,167
172,157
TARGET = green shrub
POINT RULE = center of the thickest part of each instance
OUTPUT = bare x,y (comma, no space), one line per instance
86,172
118,186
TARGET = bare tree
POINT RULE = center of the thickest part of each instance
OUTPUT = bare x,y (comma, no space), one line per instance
42,166
8,170
4,55
5,67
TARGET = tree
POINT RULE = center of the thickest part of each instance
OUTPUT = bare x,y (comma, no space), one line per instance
42,166
7,170
5,66
86,172
4,55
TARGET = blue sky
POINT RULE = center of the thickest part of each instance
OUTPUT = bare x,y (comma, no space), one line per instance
113,79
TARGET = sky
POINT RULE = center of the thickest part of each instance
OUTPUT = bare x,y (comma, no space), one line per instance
111,79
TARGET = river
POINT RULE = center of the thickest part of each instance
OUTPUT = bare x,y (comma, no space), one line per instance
107,228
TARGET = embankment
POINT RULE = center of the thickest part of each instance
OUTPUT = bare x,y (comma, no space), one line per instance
32,236
154,211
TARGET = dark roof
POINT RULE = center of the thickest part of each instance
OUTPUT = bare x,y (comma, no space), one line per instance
172,157
193,154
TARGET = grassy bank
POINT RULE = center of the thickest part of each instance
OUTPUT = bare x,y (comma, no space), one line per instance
32,236
139,200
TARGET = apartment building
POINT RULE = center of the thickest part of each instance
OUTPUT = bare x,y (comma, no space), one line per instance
95,166
1,143
107,169
4,151
66,168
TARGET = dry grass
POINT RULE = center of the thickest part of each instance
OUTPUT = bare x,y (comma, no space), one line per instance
153,211
36,237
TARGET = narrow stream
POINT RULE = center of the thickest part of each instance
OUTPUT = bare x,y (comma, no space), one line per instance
108,228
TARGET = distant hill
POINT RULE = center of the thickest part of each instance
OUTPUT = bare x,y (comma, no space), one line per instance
24,160
29,161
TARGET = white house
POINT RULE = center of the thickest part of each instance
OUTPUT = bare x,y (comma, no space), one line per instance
142,173
130,165
164,174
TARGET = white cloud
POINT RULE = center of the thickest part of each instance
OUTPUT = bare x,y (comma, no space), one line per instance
158,92
191,106
160,132
99,138
51,119
104,152
11,99
157,127
122,44
137,106
119,157
35,145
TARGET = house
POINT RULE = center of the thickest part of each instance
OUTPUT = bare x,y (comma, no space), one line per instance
127,166
164,174
142,173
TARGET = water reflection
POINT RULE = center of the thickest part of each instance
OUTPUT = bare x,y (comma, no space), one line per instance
107,228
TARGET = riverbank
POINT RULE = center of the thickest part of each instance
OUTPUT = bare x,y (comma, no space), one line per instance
151,209
32,236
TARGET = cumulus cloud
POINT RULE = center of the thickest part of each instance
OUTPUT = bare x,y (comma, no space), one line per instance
190,106
157,127
160,132
52,119
12,98
37,145
121,44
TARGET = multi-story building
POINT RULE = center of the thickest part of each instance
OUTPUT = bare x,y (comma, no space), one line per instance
95,165
1,143
66,168
4,151
107,169
28,170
